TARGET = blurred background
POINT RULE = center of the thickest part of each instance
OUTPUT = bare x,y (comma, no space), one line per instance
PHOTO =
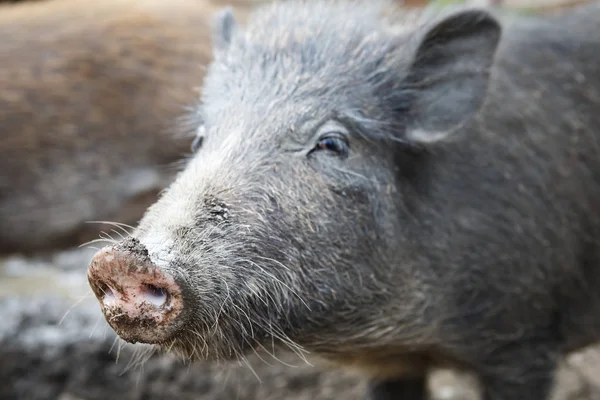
93,99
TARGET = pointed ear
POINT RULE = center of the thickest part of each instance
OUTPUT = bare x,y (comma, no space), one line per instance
223,28
450,73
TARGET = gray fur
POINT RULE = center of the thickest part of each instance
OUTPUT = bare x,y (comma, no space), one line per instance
478,249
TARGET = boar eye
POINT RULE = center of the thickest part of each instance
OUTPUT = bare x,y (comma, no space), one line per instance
198,139
334,143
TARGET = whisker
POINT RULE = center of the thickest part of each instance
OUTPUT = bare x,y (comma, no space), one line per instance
280,282
120,225
118,233
94,241
78,302
245,360
106,234
100,318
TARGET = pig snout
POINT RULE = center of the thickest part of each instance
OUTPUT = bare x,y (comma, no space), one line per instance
141,302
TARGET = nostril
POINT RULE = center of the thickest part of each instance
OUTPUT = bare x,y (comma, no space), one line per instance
109,296
155,295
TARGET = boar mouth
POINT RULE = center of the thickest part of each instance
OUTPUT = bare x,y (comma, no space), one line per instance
231,334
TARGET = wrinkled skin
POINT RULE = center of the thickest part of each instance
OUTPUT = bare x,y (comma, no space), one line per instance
392,197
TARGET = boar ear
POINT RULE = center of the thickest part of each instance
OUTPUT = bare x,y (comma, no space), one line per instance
224,25
449,75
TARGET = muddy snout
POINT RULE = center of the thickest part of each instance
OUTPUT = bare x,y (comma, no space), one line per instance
141,302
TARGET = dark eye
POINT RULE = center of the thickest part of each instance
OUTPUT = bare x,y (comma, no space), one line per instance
198,139
197,143
333,143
